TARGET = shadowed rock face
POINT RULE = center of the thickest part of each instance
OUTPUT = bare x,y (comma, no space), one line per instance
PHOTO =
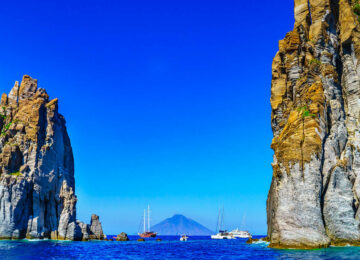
315,97
37,186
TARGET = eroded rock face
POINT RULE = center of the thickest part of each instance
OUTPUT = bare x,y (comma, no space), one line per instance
37,186
96,231
315,97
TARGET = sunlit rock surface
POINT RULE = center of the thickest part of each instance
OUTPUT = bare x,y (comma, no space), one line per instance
315,97
37,186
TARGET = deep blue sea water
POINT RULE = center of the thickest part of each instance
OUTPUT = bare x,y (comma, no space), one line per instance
168,248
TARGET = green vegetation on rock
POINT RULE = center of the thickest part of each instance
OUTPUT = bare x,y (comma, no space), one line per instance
15,173
356,8
315,61
305,112
6,128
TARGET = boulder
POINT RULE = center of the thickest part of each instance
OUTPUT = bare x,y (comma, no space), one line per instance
122,237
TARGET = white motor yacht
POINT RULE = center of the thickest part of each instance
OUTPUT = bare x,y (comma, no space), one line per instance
240,234
223,235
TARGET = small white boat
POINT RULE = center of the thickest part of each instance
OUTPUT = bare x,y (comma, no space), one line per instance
184,238
240,234
223,235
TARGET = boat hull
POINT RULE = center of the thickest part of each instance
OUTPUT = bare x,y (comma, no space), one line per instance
147,234
222,237
184,238
240,234
236,236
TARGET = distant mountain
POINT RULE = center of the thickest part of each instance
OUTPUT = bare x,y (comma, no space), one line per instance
179,225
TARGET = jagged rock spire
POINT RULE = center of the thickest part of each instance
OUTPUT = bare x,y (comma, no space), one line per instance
37,184
13,97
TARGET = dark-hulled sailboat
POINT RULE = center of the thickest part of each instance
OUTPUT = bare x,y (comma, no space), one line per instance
147,233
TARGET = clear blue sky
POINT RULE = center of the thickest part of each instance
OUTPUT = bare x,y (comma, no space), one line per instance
166,102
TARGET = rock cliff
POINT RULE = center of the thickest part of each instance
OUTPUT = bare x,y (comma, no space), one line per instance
37,185
315,98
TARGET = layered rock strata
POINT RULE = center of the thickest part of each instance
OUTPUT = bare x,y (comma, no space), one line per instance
37,185
315,98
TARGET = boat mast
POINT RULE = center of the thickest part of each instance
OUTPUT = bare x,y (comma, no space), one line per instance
144,220
148,218
222,218
218,222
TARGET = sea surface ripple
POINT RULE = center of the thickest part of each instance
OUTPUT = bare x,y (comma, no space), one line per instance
168,248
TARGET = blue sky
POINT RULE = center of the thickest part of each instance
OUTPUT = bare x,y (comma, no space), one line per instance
166,102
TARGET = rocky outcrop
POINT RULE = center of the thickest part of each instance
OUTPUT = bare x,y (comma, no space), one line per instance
315,97
93,231
85,230
122,237
96,231
256,240
37,185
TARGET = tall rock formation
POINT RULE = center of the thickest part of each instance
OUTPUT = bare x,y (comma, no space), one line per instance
96,231
315,97
37,186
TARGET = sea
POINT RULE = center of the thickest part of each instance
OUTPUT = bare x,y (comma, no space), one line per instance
169,248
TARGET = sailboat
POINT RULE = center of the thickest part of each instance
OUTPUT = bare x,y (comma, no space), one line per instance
222,234
147,233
